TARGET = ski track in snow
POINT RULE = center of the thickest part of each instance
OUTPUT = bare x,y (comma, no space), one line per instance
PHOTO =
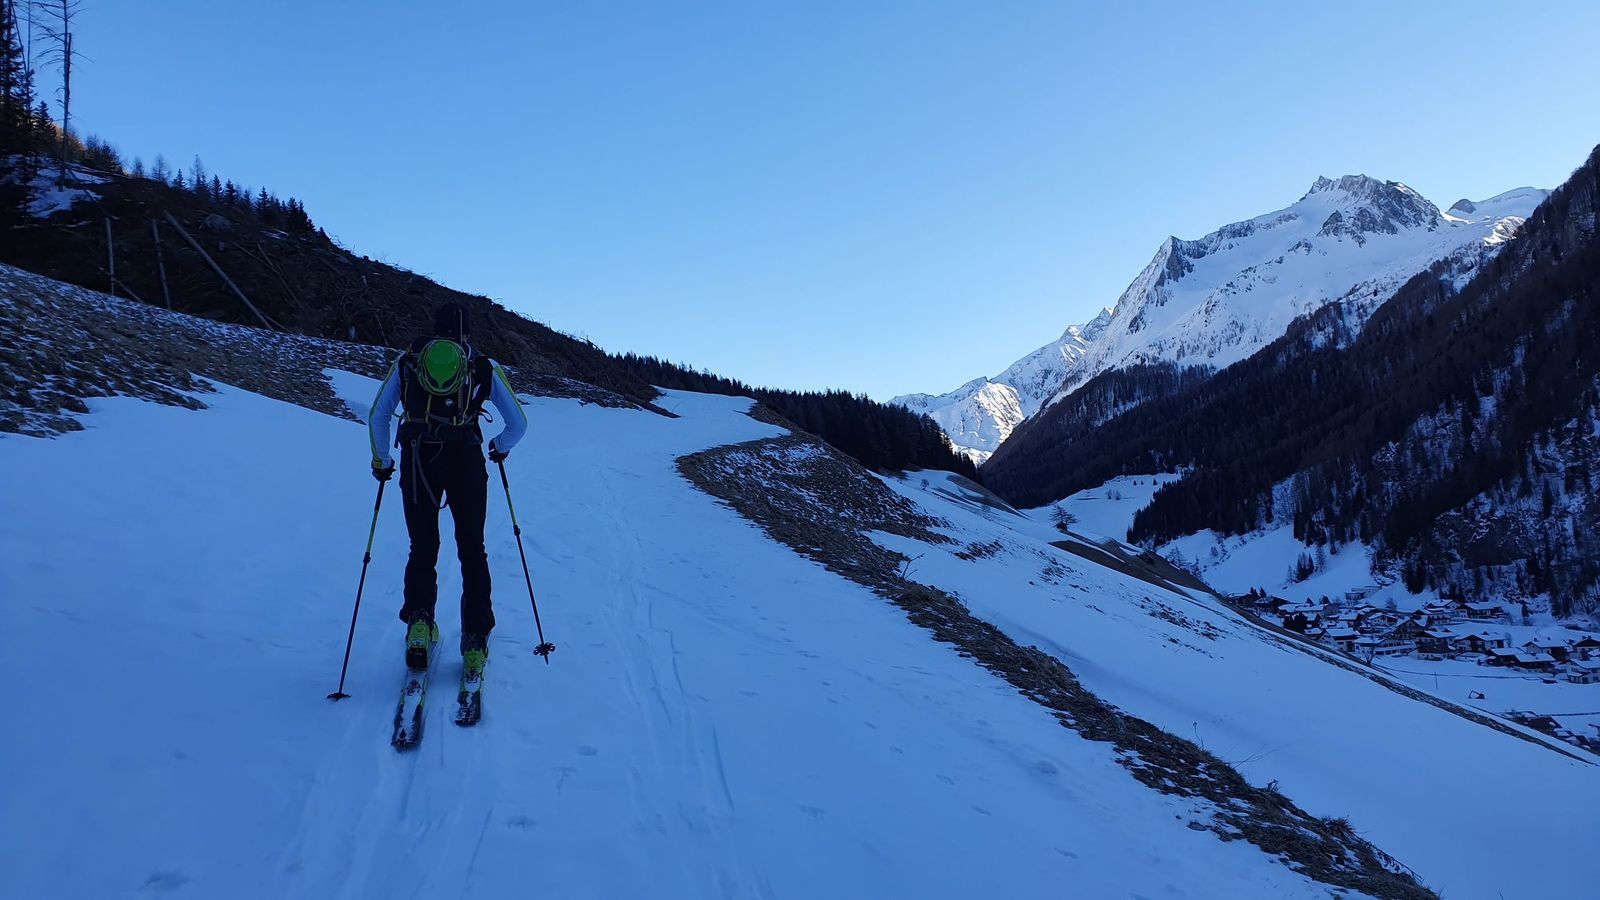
722,717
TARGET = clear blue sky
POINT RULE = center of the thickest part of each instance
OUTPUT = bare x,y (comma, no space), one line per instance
881,196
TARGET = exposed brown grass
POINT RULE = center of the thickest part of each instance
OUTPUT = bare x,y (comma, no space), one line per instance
66,344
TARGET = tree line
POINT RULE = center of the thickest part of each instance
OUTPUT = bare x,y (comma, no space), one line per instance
880,436
30,137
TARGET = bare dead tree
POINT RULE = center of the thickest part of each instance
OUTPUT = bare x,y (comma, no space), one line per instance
161,263
56,24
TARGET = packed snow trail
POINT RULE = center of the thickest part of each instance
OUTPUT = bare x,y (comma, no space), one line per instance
723,717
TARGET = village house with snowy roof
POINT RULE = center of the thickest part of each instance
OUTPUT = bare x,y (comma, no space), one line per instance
1584,671
1487,612
1341,637
1554,647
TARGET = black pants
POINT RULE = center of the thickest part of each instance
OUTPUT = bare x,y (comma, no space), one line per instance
451,473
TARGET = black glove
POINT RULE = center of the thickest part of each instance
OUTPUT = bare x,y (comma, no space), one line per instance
383,474
496,455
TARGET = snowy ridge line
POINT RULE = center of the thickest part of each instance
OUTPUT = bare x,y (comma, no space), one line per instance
70,343
775,483
1211,302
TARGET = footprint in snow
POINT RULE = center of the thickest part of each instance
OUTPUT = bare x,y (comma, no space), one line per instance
586,750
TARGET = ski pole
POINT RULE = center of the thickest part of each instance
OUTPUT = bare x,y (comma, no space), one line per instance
365,559
545,647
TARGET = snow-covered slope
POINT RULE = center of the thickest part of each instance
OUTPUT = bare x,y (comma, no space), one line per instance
1447,795
721,717
721,714
1216,300
976,416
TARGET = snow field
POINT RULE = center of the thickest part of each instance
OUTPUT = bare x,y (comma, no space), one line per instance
722,717
1107,511
1451,798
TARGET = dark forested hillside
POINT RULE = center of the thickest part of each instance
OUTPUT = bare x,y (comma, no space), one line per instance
881,436
291,278
1457,432
1030,461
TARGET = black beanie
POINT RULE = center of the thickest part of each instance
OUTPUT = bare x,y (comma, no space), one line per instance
450,321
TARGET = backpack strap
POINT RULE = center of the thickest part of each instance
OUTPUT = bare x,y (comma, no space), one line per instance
482,381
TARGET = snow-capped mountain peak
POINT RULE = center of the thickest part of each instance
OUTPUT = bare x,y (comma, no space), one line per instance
981,413
1365,205
1216,300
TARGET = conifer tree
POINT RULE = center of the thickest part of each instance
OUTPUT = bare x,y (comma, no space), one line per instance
16,87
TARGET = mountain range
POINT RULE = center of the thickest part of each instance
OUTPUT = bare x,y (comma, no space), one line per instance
1443,436
1214,301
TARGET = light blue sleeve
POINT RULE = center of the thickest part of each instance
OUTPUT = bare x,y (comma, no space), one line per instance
510,409
379,419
